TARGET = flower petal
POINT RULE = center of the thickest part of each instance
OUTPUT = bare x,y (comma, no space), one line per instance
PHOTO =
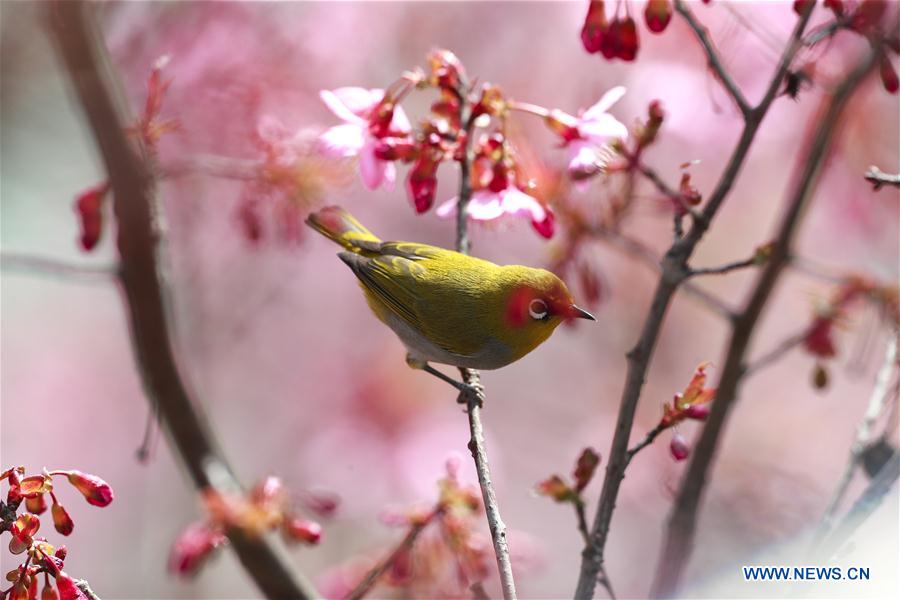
371,169
583,157
447,209
342,141
485,205
518,203
602,129
400,122
351,104
604,104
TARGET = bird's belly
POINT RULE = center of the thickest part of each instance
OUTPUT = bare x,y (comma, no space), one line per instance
493,355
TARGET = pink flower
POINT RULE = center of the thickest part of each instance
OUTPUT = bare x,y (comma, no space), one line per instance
368,116
589,133
487,205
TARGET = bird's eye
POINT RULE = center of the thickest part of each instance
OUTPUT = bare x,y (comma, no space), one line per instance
537,309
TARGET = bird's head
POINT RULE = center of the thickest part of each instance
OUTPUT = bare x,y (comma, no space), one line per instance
535,302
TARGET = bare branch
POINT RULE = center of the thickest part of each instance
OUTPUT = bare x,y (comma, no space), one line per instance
772,356
85,58
405,545
26,263
879,178
473,402
863,436
726,268
682,522
712,57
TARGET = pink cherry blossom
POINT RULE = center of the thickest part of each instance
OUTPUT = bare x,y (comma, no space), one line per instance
595,128
360,110
487,205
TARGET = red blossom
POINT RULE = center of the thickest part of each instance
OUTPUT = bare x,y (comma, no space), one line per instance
67,588
421,183
96,491
585,468
692,403
800,6
818,340
149,127
36,505
89,207
888,74
61,519
446,70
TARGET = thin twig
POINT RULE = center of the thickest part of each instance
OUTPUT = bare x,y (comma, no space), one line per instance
783,347
712,57
638,250
863,436
674,195
726,268
405,545
85,588
878,178
674,265
678,542
39,265
87,63
648,439
474,402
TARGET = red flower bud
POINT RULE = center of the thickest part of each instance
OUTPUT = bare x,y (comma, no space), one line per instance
867,15
818,340
321,503
446,69
888,74
14,495
554,487
657,15
679,447
421,183
800,6
95,490
67,588
49,593
61,553
35,485
61,519
563,124
193,547
396,148
36,505
627,39
595,26
269,492
546,227
698,412
301,530
19,589
89,206
381,117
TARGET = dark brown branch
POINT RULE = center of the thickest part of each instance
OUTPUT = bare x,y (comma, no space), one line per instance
712,57
474,402
26,263
674,270
648,439
682,522
878,178
726,268
85,59
381,568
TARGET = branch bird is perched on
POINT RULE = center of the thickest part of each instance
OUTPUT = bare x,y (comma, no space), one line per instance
448,307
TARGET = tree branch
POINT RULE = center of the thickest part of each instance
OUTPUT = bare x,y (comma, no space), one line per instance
674,269
474,402
726,268
682,522
879,178
84,57
712,57
405,545
26,263
648,439
863,433
772,356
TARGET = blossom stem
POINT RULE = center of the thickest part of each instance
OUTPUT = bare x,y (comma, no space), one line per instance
726,268
372,576
527,107
648,439
470,377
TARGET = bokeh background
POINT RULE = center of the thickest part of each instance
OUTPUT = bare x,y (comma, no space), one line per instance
301,381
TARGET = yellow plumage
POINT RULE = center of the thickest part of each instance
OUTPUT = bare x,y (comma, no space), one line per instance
448,307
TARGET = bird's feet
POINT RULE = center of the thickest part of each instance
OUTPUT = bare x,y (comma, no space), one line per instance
471,393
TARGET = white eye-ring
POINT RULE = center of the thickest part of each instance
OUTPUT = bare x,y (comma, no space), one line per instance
537,309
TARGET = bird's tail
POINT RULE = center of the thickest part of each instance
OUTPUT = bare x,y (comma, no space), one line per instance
338,225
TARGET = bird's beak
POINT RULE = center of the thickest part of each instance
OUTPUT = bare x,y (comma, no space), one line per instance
579,313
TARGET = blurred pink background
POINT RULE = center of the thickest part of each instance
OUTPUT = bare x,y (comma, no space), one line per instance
301,381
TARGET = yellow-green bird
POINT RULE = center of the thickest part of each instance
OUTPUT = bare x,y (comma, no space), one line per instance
448,307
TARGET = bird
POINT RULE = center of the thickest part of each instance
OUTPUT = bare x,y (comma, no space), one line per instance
447,307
